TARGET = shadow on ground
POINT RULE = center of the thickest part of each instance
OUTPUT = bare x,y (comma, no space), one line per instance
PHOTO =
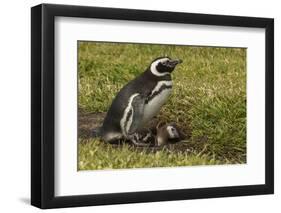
25,200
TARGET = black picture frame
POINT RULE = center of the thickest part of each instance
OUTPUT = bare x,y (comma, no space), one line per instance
43,102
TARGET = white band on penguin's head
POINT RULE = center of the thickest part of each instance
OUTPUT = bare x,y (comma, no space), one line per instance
153,67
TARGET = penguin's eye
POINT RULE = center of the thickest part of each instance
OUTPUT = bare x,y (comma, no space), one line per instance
165,63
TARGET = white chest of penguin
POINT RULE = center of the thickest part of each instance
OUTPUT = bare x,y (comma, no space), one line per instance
159,96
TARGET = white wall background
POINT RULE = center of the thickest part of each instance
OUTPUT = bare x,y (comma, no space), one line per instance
15,105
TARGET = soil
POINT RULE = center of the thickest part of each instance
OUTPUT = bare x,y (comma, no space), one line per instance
87,122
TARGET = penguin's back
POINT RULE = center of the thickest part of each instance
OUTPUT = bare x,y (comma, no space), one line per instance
139,85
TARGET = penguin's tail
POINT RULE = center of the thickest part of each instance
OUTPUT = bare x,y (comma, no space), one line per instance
96,132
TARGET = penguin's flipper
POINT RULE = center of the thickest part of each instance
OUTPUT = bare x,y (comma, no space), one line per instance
138,110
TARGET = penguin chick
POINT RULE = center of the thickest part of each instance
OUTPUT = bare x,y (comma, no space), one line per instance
168,133
139,101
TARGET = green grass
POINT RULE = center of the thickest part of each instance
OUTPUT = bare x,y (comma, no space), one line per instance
208,99
99,155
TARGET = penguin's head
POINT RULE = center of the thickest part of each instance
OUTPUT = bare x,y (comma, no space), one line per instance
168,133
164,65
172,131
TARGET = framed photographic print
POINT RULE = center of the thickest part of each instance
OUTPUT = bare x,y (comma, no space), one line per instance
139,106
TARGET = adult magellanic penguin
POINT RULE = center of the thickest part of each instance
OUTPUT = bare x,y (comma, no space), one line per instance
138,101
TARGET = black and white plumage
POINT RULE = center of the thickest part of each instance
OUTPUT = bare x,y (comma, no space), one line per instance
139,101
